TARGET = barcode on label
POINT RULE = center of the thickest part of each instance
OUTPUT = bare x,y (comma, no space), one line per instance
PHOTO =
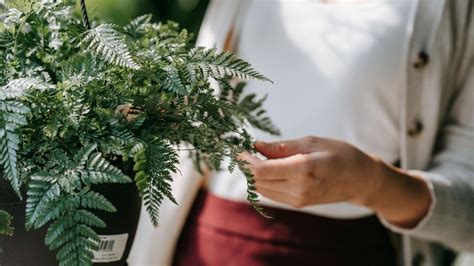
110,248
106,245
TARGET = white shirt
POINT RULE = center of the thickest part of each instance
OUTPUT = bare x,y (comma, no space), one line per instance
337,70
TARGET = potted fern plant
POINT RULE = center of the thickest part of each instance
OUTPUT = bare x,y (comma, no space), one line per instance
94,115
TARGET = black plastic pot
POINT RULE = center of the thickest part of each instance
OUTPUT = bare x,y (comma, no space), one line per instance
27,248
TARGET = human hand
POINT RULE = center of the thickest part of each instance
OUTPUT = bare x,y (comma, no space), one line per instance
313,170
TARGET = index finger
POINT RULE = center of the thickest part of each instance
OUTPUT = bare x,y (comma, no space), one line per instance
279,169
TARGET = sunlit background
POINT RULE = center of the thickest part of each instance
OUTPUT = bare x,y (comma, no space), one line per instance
188,13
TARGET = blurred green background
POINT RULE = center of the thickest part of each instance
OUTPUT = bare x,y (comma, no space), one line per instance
188,13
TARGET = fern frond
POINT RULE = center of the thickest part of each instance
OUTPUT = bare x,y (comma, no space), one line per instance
172,81
61,198
7,39
71,228
75,240
18,87
122,122
12,117
54,209
137,25
94,169
255,114
41,192
252,196
109,44
71,232
122,134
15,108
88,218
100,171
82,156
218,65
94,200
132,149
79,71
154,165
249,107
10,141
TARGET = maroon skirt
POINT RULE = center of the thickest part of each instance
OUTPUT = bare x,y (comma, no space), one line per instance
220,232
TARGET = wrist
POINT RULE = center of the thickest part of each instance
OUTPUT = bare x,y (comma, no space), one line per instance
377,180
402,199
374,181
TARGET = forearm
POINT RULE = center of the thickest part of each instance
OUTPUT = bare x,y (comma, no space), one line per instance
402,199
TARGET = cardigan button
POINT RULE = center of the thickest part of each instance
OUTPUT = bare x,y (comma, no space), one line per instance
422,60
416,128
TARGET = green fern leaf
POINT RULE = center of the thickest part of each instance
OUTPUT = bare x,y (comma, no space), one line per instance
249,107
58,227
77,252
252,196
63,238
41,192
94,169
12,117
139,146
82,156
55,209
9,143
88,218
137,25
100,171
219,65
172,81
72,231
154,165
18,87
109,44
256,115
94,200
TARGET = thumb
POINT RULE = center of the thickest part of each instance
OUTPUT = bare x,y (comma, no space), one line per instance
281,149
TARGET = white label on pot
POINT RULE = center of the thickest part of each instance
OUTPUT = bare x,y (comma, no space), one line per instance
111,248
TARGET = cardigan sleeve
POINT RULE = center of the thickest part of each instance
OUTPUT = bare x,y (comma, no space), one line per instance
450,177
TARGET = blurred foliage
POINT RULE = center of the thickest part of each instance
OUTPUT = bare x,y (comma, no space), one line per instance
188,13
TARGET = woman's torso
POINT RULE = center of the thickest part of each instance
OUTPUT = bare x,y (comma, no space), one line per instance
337,71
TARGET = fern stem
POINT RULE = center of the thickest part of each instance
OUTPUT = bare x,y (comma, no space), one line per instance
17,34
85,17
